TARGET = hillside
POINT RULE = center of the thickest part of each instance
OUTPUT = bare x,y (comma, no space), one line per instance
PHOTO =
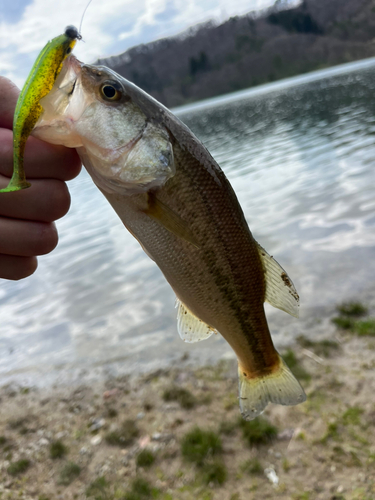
244,51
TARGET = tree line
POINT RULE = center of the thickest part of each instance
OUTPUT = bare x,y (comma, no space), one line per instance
247,50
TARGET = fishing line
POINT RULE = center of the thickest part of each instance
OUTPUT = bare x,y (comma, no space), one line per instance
84,12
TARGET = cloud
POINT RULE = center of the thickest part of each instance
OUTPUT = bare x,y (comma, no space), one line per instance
108,27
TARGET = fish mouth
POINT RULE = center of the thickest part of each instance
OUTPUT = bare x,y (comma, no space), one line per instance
69,75
63,106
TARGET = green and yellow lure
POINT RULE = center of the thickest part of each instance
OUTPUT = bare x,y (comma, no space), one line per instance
39,82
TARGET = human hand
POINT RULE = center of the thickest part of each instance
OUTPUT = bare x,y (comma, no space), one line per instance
26,217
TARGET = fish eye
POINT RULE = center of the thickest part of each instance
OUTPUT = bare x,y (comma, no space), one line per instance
111,91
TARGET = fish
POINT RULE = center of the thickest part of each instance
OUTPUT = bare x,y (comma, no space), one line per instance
175,200
28,110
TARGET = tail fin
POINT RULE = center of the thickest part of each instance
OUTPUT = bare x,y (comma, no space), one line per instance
280,387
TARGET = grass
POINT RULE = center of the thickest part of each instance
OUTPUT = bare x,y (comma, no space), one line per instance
331,433
57,449
252,466
111,412
145,458
258,431
69,473
352,416
344,323
365,328
140,490
3,440
124,436
20,424
18,467
98,489
295,366
352,309
321,348
184,397
286,465
214,472
197,445
349,313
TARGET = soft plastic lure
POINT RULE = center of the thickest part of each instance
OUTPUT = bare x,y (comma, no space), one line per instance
38,84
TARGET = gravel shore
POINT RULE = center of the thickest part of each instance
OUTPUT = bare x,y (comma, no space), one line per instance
177,434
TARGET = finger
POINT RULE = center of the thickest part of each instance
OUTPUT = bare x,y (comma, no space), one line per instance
45,201
13,267
26,239
42,160
8,99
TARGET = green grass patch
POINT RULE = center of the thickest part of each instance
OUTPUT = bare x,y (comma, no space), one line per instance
352,416
145,458
315,400
141,490
18,467
306,495
258,431
19,424
69,473
331,433
123,436
295,366
111,412
99,489
348,319
365,328
352,309
252,466
197,445
214,472
286,465
184,397
57,449
323,347
344,323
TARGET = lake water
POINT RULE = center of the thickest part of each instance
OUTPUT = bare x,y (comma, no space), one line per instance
300,155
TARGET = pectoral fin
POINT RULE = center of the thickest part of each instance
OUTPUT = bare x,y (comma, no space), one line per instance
280,291
166,217
190,328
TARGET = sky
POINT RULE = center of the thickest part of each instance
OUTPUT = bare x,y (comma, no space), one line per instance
109,26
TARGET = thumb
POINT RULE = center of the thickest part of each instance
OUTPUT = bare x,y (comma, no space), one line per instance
8,99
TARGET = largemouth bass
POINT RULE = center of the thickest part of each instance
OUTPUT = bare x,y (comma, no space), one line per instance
175,200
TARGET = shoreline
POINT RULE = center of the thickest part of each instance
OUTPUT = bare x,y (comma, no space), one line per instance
321,449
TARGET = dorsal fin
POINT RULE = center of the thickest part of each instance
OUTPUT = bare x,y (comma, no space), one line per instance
190,328
280,291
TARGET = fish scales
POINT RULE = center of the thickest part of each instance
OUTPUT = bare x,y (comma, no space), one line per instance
222,281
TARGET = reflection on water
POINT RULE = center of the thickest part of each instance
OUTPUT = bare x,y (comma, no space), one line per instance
301,160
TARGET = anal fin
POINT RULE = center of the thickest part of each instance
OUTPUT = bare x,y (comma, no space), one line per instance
280,291
190,328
